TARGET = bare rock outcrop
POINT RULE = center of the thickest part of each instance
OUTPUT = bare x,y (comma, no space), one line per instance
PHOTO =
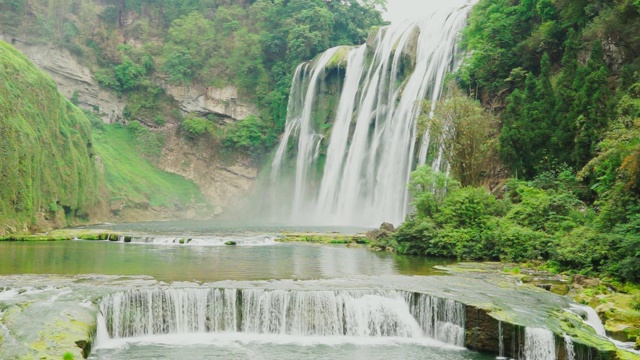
223,102
224,182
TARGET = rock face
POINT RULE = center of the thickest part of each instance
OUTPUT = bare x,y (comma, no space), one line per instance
223,102
71,77
224,182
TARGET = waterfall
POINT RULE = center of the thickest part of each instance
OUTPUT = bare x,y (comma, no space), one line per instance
539,344
590,317
358,174
441,319
500,341
568,345
360,313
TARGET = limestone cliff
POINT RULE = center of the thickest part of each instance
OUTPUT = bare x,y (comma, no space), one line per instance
224,183
223,102
74,80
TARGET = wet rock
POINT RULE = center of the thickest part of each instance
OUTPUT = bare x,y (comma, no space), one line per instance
387,227
231,243
127,239
85,347
560,289
584,281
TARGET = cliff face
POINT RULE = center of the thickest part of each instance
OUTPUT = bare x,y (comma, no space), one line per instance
224,182
48,171
73,79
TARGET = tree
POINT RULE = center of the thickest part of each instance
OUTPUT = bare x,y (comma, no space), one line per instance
467,134
592,107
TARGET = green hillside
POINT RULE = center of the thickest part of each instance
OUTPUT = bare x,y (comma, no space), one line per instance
46,152
48,169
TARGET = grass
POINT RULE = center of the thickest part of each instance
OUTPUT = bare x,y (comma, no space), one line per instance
130,177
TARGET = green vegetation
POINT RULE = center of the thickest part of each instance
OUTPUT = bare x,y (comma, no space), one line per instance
318,238
253,45
47,153
563,78
134,179
541,220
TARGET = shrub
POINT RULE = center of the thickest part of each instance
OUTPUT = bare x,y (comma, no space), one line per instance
250,134
195,126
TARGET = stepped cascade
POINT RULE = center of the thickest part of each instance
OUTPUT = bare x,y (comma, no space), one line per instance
357,172
539,344
358,313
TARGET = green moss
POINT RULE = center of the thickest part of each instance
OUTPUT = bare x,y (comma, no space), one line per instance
46,147
339,59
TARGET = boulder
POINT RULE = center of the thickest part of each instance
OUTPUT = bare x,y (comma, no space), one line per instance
387,227
584,281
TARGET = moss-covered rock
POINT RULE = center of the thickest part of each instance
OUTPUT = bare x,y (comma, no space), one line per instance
320,238
339,59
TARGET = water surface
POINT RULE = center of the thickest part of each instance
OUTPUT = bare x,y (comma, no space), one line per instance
256,347
205,263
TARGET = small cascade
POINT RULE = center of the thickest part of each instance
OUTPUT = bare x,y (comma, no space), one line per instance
361,313
441,319
102,334
247,240
356,173
590,317
568,345
539,344
500,342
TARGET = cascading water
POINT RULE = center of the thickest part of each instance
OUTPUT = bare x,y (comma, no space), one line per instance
441,319
539,344
591,318
241,240
372,145
500,342
359,313
568,345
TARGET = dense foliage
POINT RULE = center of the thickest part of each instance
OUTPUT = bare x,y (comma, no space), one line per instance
540,220
557,70
137,47
563,77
